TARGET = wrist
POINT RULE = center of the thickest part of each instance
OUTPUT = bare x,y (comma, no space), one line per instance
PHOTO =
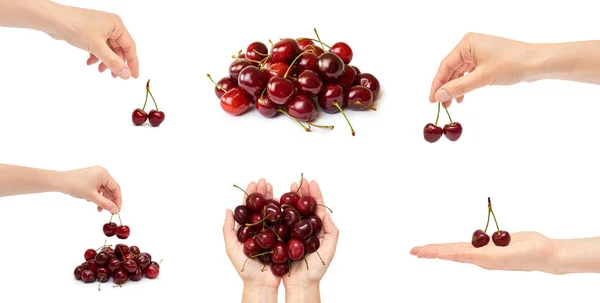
303,293
576,256
259,293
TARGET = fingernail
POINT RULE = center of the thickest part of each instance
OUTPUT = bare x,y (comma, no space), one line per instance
125,73
442,95
114,211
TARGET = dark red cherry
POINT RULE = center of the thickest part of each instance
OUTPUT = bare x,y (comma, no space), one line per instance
121,250
77,272
280,253
346,80
304,42
302,108
103,274
226,83
282,230
139,117
245,232
309,83
241,214
265,259
120,276
289,198
290,217
343,51
101,258
255,202
113,264
142,261
89,254
280,269
155,118
251,247
501,238
307,61
480,239
265,106
311,244
273,202
256,218
130,266
369,81
268,63
452,131
307,206
235,101
317,50
252,80
432,133
123,232
285,50
356,69
359,98
88,276
265,239
302,230
277,69
92,265
295,249
330,95
272,213
256,51
134,250
280,90
137,275
237,66
110,229
316,223
330,66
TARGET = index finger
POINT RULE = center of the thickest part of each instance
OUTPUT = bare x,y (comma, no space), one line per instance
126,43
111,185
315,192
449,65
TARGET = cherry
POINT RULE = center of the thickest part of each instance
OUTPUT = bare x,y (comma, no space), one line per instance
359,98
268,63
295,249
77,272
148,255
241,214
302,230
273,202
302,108
309,83
280,90
480,238
265,239
452,131
235,101
265,259
123,232
101,258
89,254
307,61
113,264
281,230
280,269
254,201
343,51
110,229
130,266
369,81
142,261
290,217
316,223
290,198
330,66
331,100
128,257
277,69
156,117
139,116
308,205
92,265
256,52
346,80
432,132
272,213
251,247
134,250
121,250
356,69
88,276
237,66
255,219
285,50
311,245
304,42
155,264
225,84
137,275
103,275
280,253
265,106
120,276
501,238
252,80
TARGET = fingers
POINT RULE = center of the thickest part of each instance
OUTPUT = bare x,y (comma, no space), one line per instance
111,60
269,191
249,190
104,203
294,187
330,238
261,187
229,234
92,60
460,86
111,185
315,192
304,188
127,44
447,67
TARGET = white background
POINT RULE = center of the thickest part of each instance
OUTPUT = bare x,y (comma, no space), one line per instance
532,147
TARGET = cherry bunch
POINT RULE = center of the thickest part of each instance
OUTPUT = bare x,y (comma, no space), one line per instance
500,237
432,133
292,77
155,117
278,233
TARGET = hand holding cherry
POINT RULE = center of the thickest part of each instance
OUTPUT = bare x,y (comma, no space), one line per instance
155,117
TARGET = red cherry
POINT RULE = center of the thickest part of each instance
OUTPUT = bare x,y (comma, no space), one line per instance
235,101
156,117
285,50
277,69
110,229
123,232
432,133
302,108
343,51
452,131
89,254
236,67
256,52
226,83
265,106
139,116
295,249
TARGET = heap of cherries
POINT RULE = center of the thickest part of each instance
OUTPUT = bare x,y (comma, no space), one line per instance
278,233
155,117
123,263
433,133
294,74
500,237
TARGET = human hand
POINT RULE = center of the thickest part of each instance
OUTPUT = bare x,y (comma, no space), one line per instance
101,34
487,60
528,251
94,184
253,274
300,279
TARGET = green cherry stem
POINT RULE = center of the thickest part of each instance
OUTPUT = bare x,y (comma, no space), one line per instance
293,62
294,209
447,112
319,40
259,222
111,216
285,113
494,215
143,108
364,106
259,53
273,230
438,114
211,80
120,222
300,183
321,126
345,117
488,222
148,89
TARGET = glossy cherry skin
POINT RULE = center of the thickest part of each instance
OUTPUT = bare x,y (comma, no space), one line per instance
273,202
245,232
290,199
290,217
142,261
272,213
302,108
241,214
113,264
453,131
356,69
156,118
330,95
123,232
101,258
277,69
265,106
302,230
236,67
280,253
285,50
295,249
110,229
317,50
330,66
480,239
309,83
89,254
121,250
432,133
148,255
282,230
130,266
307,61
346,80
252,80
92,265
134,250
369,81
280,269
311,244
358,94
501,238
253,49
103,274
307,206
137,275
88,276
251,247
265,239
255,202
235,101
77,272
256,217
304,42
265,259
128,257
268,63
316,224
226,83
120,276
343,51
139,117
280,90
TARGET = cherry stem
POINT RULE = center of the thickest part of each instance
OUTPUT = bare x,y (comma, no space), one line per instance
285,113
294,209
145,101
254,61
120,222
305,261
321,126
292,64
323,205
438,114
289,268
322,44
300,183
365,106
244,266
211,80
103,246
342,111
247,195
264,268
155,105
488,222
494,215
257,52
270,42
111,216
262,94
264,61
318,254
256,223
99,283
276,235
447,112
261,254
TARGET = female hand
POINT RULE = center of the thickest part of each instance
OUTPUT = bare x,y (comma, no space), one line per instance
94,184
487,60
527,251
258,284
302,284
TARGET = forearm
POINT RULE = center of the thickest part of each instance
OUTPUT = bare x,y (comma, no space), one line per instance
17,180
577,256
574,61
259,294
42,15
303,294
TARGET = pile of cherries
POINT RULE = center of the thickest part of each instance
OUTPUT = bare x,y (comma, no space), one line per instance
293,76
433,133
155,117
500,237
123,263
278,233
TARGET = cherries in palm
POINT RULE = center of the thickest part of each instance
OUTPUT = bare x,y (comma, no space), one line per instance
500,237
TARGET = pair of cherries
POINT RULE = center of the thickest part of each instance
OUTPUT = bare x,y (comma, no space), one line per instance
432,133
500,237
155,117
111,229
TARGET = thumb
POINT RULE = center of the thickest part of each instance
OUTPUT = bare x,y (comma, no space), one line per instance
229,233
460,86
111,60
105,203
331,237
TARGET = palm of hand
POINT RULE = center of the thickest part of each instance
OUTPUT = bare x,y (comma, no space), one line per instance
254,271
